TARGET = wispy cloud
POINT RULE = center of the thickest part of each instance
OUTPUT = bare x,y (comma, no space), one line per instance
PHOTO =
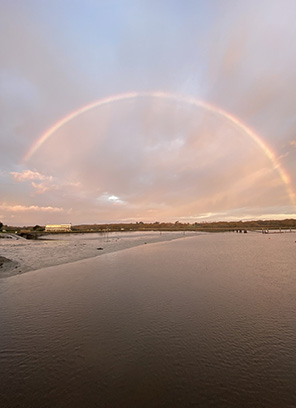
17,208
27,175
204,216
40,182
43,187
43,183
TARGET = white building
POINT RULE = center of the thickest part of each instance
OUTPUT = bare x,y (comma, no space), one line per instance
58,228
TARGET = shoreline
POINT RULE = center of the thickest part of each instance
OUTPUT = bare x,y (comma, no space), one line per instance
18,256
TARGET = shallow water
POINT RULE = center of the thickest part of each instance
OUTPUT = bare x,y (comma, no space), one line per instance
207,321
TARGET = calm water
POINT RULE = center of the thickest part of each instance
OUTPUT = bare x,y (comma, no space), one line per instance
206,321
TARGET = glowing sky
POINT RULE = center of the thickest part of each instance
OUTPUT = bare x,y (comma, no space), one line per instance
142,157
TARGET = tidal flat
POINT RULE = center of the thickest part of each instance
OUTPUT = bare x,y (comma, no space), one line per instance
20,255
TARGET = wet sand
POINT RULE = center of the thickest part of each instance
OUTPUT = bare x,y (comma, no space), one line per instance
18,255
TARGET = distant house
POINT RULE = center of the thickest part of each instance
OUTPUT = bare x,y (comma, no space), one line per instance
58,228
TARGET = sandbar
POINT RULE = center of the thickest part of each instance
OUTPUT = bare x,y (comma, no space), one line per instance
19,255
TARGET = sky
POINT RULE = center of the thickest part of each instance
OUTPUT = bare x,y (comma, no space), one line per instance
145,110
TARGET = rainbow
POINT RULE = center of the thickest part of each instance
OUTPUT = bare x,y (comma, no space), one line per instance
172,97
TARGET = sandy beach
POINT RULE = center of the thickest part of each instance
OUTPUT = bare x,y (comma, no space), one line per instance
18,255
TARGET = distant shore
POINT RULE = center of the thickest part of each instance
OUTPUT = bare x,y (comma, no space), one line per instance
34,232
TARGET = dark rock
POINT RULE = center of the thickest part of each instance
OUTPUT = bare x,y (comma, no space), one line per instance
4,260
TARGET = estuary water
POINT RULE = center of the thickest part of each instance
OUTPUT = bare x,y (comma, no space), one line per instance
202,321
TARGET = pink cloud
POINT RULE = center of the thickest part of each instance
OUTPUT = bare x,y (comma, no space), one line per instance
40,182
29,175
43,187
32,208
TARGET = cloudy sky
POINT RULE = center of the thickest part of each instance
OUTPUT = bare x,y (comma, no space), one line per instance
145,110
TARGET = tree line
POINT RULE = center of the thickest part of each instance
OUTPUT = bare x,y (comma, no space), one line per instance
169,226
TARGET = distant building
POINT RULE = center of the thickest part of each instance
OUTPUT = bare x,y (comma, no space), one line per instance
58,228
